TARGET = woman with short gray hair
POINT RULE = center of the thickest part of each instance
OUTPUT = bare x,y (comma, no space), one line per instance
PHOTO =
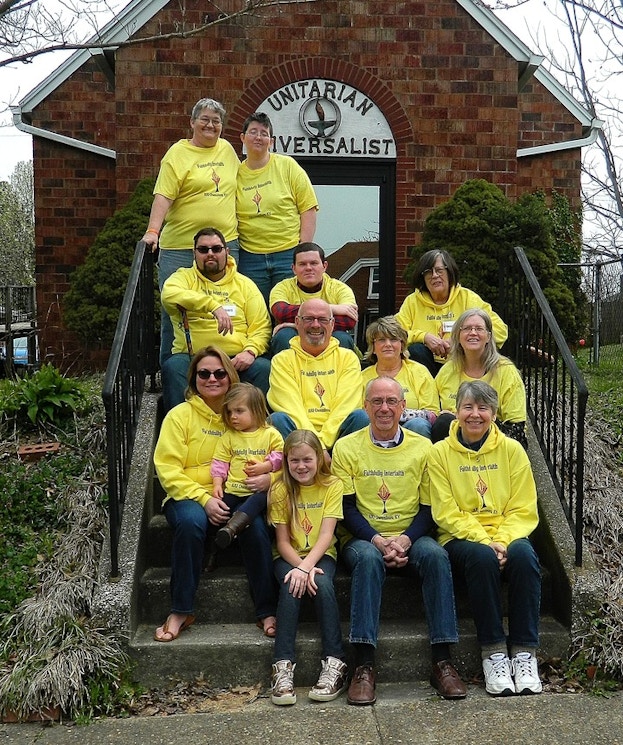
195,189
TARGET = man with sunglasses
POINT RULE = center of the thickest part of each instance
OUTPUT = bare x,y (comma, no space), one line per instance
213,304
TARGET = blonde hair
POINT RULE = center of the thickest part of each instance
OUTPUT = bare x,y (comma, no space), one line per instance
490,356
385,328
252,397
323,476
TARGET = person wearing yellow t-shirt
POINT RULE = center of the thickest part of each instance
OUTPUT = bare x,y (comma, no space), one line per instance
311,281
196,186
276,207
387,519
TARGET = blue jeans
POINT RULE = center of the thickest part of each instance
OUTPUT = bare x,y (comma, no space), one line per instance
281,340
422,354
284,424
326,607
266,269
169,261
190,525
252,506
175,377
479,565
427,559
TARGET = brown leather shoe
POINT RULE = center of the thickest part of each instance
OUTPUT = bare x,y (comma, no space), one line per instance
446,680
361,691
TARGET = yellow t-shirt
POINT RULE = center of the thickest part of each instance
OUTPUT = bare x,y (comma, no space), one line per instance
269,203
237,448
316,502
201,181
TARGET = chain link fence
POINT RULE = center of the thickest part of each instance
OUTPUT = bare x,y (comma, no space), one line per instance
602,282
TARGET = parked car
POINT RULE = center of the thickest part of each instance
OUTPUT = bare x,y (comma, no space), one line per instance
20,355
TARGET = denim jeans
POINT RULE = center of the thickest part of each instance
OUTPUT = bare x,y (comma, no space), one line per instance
252,506
169,261
190,525
422,354
479,565
427,559
175,377
266,269
326,607
284,424
281,340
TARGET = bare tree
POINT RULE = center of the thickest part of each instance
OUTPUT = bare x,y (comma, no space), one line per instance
585,54
28,28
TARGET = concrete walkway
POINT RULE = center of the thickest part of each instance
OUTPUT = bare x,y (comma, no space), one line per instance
403,715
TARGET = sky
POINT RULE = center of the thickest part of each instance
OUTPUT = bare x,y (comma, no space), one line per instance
17,80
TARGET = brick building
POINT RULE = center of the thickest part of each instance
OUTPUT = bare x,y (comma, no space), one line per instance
415,98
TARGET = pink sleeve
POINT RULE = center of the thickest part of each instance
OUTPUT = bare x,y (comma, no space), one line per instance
219,468
275,458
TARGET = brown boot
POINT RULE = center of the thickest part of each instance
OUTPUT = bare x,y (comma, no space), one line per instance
234,526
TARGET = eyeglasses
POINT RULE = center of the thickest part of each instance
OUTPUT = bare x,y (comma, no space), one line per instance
310,319
391,401
475,329
206,249
258,133
205,121
439,271
219,374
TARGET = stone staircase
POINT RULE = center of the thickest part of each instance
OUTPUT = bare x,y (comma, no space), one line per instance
226,647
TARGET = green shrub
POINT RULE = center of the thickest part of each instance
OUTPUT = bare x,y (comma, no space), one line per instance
480,227
92,305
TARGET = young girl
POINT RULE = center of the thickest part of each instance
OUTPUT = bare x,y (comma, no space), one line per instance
304,506
249,447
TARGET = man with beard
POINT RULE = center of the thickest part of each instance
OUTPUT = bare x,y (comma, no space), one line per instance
212,304
312,384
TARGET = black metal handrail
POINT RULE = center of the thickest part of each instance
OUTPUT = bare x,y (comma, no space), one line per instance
556,391
132,359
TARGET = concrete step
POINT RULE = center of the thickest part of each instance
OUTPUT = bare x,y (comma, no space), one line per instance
223,596
230,654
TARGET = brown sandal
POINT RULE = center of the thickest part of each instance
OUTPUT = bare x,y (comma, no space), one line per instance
268,626
188,621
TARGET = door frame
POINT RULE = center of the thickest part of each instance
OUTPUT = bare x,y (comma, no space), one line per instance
363,172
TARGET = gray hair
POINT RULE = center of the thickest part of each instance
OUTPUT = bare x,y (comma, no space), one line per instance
479,392
207,103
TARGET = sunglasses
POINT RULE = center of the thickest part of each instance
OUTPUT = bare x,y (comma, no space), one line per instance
219,374
206,249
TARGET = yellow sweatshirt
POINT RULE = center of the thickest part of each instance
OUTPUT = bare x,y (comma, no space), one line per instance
317,392
483,496
200,297
419,315
184,451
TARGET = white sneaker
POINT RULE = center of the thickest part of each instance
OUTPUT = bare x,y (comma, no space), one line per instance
498,675
282,692
526,673
332,680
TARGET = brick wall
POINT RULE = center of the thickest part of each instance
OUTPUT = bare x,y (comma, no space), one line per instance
447,90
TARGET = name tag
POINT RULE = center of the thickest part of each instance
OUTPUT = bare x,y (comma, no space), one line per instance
230,310
446,326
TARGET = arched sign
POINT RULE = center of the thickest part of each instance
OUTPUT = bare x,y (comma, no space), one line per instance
316,118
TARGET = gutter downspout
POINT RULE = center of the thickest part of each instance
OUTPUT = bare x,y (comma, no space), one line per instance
61,139
589,139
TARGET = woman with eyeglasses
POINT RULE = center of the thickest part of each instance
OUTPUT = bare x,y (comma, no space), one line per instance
276,207
183,458
474,356
196,186
428,314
